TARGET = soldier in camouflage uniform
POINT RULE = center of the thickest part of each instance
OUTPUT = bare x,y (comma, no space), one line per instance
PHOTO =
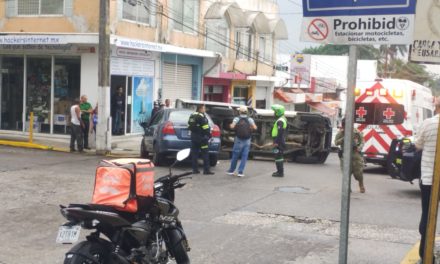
357,160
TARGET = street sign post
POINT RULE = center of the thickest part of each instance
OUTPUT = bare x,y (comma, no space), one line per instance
368,22
353,22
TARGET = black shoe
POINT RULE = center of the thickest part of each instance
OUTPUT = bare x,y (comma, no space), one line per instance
277,174
72,150
81,151
87,148
208,173
196,172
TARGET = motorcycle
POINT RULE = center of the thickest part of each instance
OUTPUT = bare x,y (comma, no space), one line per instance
154,237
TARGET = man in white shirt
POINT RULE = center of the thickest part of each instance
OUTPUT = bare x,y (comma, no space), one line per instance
76,125
426,140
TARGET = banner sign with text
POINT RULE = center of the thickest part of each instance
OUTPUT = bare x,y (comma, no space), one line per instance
355,22
426,45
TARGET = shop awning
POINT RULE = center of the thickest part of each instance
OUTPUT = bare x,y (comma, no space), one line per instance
259,21
278,28
282,96
218,9
296,90
322,108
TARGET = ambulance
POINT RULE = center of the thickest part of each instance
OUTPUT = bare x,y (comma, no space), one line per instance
387,109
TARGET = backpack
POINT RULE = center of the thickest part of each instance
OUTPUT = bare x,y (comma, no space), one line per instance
125,184
243,128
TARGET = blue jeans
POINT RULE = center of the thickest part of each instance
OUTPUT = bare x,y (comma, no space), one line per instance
117,122
240,149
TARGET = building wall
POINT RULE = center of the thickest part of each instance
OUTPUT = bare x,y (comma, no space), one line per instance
89,76
84,18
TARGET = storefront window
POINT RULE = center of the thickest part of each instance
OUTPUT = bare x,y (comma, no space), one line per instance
11,93
240,95
67,76
38,93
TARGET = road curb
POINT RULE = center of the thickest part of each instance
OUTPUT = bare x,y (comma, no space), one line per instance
413,255
21,144
28,145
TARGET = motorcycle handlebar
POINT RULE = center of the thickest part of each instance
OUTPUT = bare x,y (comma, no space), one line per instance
172,178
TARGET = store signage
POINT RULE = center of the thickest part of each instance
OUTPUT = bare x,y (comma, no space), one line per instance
426,45
300,68
39,48
124,66
136,44
134,54
358,22
31,40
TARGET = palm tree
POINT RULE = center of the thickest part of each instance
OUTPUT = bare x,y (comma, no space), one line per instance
391,52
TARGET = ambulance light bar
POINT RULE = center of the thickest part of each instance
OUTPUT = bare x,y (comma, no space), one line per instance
397,92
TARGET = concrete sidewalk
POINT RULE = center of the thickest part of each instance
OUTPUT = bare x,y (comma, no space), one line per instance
127,146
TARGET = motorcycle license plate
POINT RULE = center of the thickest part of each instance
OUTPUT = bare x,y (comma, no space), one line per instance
68,234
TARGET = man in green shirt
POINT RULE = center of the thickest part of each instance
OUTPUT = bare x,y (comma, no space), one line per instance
86,110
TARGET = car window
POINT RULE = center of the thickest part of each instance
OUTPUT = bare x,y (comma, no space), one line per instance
179,116
183,116
157,118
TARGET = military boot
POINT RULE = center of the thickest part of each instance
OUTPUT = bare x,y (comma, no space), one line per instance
361,187
280,170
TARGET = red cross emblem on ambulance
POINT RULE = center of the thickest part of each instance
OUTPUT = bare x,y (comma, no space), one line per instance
389,113
361,112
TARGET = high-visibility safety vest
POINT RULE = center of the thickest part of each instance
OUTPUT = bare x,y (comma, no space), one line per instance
275,126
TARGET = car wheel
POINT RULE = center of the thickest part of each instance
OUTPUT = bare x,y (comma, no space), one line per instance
144,152
213,160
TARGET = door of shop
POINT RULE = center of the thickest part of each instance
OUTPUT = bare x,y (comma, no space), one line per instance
11,93
123,125
260,97
177,82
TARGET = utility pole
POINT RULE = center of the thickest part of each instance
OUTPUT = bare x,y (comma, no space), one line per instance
103,129
348,149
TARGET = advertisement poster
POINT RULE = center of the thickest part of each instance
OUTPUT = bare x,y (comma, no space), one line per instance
426,45
142,101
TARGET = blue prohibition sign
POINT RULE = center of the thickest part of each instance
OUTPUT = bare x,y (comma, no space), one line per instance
319,8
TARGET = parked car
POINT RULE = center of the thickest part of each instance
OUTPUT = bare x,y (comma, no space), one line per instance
308,138
167,132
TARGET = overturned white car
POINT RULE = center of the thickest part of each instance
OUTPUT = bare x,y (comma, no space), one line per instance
308,138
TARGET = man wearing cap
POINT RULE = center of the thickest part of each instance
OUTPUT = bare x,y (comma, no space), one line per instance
357,162
243,126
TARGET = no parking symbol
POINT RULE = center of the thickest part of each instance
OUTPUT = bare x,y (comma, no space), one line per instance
318,29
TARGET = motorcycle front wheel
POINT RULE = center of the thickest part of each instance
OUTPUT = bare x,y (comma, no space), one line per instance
87,252
176,246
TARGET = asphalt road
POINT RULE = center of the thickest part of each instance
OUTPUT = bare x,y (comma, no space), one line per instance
255,219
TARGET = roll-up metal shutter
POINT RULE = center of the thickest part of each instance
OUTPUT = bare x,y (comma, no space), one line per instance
177,82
